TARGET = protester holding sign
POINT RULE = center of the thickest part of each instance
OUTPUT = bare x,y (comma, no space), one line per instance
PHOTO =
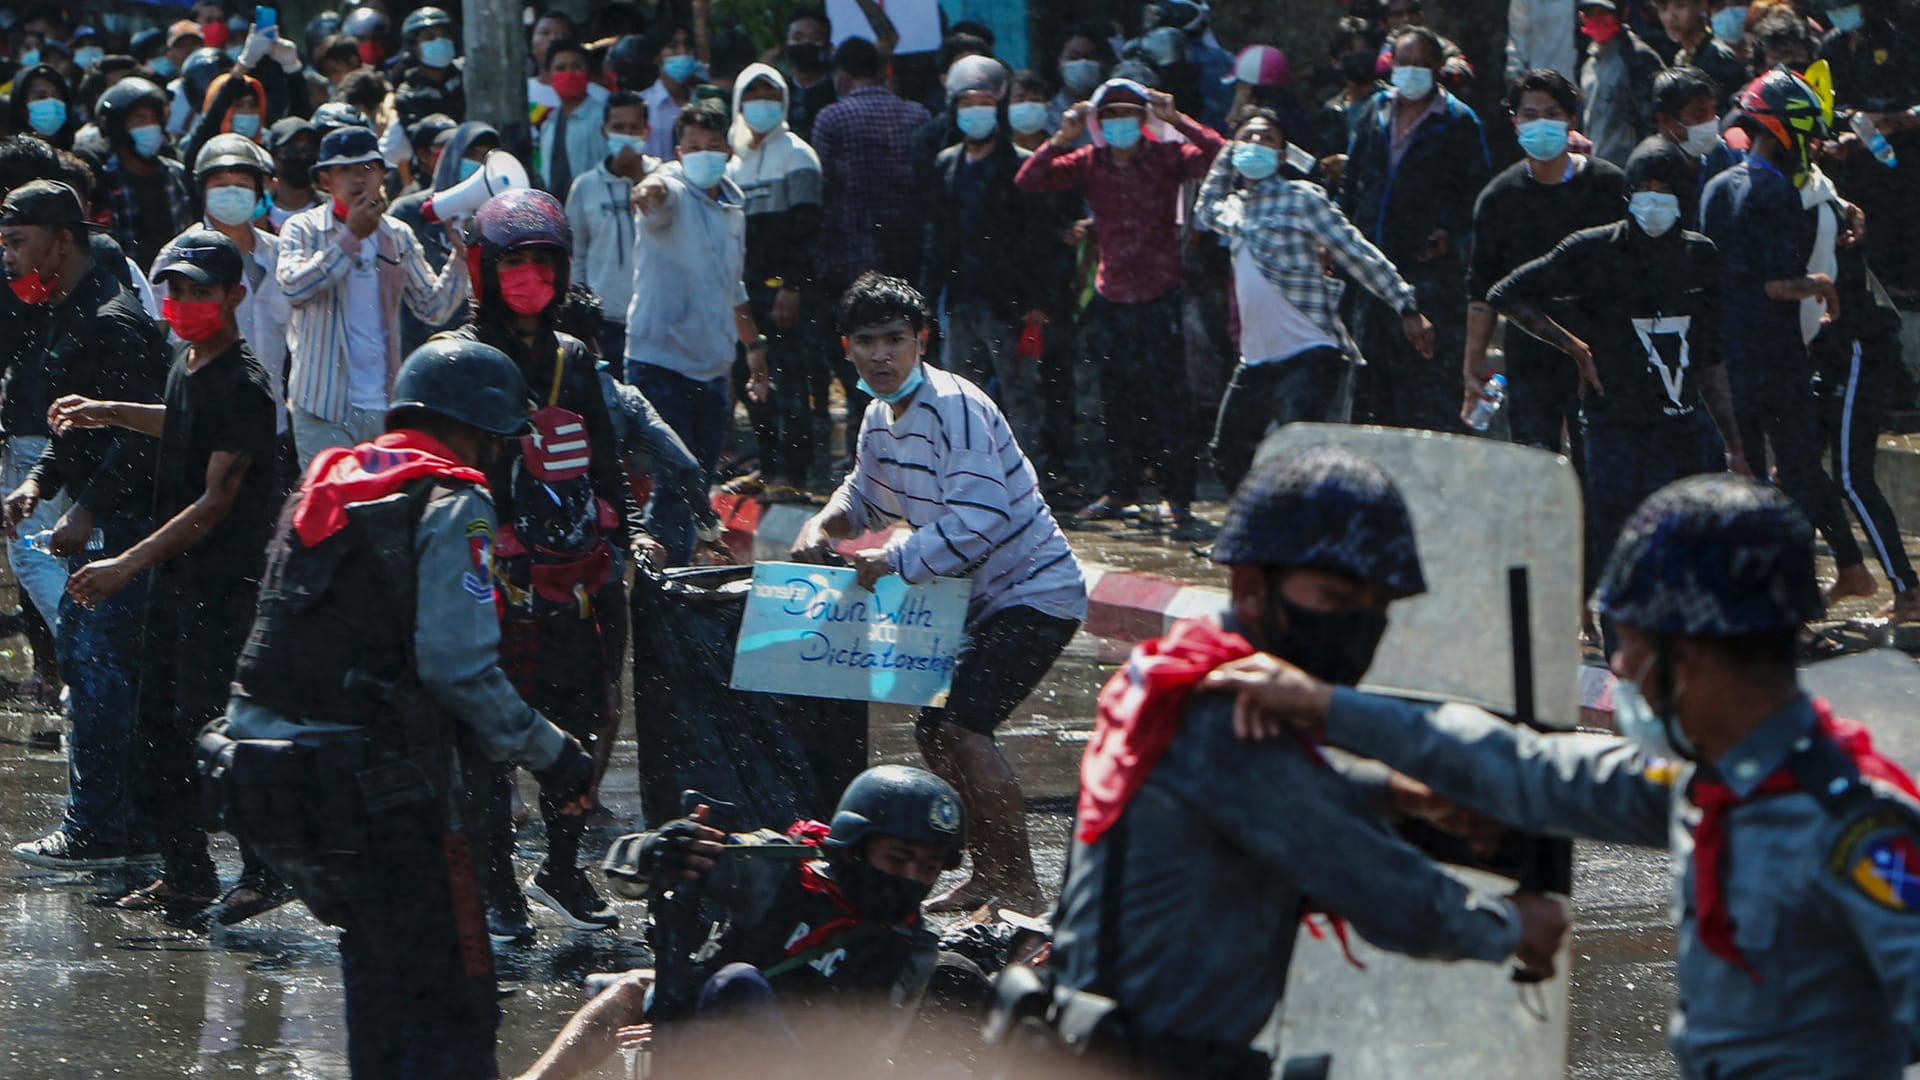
936,455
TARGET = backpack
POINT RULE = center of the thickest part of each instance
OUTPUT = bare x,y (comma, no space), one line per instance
555,555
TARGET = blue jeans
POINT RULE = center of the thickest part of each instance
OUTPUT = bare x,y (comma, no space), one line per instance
42,576
698,412
99,652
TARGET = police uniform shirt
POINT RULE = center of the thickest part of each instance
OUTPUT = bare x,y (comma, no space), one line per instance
1825,906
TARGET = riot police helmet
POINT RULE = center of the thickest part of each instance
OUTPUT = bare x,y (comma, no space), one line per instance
463,380
1323,508
898,800
1712,556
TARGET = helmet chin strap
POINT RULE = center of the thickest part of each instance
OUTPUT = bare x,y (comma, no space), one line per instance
1668,708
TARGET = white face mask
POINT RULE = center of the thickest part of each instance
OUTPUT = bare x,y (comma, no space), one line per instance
1655,212
1414,83
232,204
1703,137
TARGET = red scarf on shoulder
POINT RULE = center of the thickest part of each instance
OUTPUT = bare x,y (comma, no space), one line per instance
341,476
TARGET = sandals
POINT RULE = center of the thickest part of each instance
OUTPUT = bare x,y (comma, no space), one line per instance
162,896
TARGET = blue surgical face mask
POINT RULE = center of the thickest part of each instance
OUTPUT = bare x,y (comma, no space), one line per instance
1542,140
1656,212
977,122
703,168
468,168
680,67
47,116
164,66
1414,83
906,388
28,58
88,55
1730,23
1845,19
147,139
247,124
617,143
233,204
437,53
1122,133
1255,161
1080,76
1637,722
1027,117
763,115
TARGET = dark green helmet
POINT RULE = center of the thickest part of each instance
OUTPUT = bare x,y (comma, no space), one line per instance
901,801
463,380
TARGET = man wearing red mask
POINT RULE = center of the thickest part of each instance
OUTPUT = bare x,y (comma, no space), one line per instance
92,338
1615,76
571,140
214,501
346,267
566,521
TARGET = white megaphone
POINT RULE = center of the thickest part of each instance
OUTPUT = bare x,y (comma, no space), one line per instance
499,172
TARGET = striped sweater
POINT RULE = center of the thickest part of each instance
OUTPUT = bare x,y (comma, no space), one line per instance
950,469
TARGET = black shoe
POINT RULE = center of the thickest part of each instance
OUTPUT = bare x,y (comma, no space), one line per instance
61,850
571,895
507,921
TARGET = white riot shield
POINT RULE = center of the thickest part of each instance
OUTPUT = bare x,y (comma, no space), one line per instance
1499,533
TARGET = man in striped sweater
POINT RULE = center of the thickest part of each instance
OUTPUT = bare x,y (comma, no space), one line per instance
938,466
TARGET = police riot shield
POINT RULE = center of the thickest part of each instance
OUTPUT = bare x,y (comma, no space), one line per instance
1499,532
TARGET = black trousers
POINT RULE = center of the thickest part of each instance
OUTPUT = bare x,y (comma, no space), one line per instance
1779,412
1266,396
1854,380
1144,391
195,628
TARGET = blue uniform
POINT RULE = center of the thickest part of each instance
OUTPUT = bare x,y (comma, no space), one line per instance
1223,843
1825,902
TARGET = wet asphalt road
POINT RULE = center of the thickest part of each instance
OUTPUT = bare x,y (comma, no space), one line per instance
88,991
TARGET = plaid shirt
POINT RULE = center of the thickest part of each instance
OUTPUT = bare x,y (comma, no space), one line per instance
123,204
870,218
1284,224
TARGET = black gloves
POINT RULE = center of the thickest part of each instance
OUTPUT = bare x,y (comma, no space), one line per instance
570,775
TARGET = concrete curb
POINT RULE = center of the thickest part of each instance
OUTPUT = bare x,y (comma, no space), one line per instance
1125,606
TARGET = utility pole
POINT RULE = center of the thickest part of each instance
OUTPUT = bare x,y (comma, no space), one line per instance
496,77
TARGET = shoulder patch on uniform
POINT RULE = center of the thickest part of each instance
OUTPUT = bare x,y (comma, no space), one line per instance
1878,854
1662,771
479,580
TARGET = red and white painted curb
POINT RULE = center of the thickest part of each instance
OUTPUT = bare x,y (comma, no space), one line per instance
1124,606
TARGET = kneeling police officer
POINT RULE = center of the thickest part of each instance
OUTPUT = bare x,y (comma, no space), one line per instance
371,665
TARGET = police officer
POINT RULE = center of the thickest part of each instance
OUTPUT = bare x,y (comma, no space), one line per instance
567,515
1178,818
840,922
1793,842
346,718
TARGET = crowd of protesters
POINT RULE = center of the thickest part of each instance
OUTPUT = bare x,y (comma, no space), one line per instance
222,244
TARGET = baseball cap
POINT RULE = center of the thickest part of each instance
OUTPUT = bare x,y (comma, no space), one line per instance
348,146
203,256
43,202
185,28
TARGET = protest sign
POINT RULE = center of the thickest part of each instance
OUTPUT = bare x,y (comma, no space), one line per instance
810,630
916,21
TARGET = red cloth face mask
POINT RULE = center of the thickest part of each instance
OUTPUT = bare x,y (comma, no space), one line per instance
527,289
1601,28
194,320
370,53
32,288
570,85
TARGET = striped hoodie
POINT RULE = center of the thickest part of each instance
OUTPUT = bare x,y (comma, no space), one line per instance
949,468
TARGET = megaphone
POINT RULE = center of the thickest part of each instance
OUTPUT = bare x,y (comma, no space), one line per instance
499,172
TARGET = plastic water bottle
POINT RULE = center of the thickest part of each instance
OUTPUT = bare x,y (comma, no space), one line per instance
1870,136
1492,396
40,541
